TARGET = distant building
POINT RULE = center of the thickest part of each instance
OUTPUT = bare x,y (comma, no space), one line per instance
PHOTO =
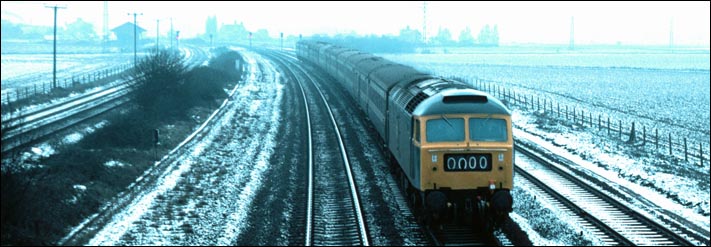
233,33
124,36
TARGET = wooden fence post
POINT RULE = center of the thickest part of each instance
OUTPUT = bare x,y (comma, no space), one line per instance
538,103
701,155
582,118
558,109
591,120
670,144
599,122
566,112
620,129
608,125
656,139
533,107
686,154
644,135
633,135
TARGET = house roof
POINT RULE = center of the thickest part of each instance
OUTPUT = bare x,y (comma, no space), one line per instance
127,27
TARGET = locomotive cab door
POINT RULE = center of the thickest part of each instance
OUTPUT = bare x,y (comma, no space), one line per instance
413,151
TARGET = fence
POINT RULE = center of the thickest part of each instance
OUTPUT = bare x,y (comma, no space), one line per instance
46,87
613,128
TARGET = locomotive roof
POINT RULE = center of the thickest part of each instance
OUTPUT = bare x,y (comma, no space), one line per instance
455,101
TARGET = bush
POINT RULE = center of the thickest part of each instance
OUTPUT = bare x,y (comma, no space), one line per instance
130,130
203,85
229,62
165,89
158,80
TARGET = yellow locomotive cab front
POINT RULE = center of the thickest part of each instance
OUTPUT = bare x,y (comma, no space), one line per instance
465,151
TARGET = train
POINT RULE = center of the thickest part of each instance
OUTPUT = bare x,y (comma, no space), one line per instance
450,145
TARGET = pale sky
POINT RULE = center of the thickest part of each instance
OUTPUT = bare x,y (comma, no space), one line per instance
647,23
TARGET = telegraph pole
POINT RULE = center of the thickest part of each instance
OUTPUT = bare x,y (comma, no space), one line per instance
105,28
135,37
171,33
424,22
54,59
157,34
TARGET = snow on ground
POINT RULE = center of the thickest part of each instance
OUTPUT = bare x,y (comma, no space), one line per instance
240,186
113,163
78,135
625,171
72,138
23,70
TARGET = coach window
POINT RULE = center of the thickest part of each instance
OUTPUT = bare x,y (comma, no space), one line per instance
445,130
487,129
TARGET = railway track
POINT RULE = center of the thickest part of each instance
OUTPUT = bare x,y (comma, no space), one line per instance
24,128
333,211
35,125
462,235
611,221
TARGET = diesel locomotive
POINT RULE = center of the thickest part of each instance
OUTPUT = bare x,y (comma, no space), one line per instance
451,146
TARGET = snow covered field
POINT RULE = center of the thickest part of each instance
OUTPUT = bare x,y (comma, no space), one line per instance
26,70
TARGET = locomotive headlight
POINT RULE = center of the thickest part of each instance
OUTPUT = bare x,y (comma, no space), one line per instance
501,157
434,158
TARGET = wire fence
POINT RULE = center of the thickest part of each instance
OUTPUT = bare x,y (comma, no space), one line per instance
75,80
629,132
